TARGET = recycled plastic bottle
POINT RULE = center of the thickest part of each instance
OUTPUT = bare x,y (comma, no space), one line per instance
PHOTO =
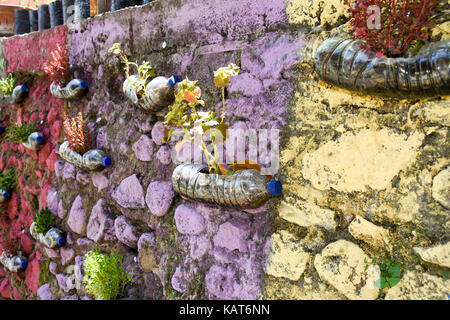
14,264
91,160
35,141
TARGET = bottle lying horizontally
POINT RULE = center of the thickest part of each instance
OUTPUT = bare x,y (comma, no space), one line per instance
74,90
51,239
91,160
245,189
19,94
15,263
4,196
35,141
159,92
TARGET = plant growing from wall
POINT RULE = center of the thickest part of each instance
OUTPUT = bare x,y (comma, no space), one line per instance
390,273
7,245
8,179
399,23
57,67
199,125
145,70
105,276
44,220
7,84
74,129
19,133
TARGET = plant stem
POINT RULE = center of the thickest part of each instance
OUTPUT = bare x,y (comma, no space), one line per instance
223,104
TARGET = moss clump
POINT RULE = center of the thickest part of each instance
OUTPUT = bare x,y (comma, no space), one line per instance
44,220
19,134
105,275
8,180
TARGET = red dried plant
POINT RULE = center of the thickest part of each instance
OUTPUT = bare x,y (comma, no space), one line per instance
57,68
389,26
75,132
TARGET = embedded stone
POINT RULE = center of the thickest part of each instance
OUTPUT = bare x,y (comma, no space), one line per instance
441,188
159,197
438,254
129,194
287,258
233,235
143,148
306,214
45,292
125,232
70,297
158,133
52,201
102,138
69,171
100,181
356,162
147,251
189,221
315,239
59,168
220,281
51,253
199,246
77,217
341,264
419,286
98,222
65,282
178,282
52,267
79,263
67,255
164,155
83,177
61,212
370,233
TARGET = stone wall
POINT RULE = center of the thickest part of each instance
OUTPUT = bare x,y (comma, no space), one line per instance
362,177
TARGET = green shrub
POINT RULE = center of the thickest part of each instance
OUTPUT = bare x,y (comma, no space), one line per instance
104,275
16,133
7,84
8,180
44,220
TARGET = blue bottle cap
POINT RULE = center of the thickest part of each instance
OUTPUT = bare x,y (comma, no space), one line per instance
39,139
23,264
61,241
275,188
2,129
106,161
24,88
173,80
83,84
6,195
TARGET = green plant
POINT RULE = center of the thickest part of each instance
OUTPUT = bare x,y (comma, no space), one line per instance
8,179
390,272
105,275
145,70
17,133
200,125
44,220
7,84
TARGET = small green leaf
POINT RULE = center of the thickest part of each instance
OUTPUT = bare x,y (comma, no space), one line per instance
394,281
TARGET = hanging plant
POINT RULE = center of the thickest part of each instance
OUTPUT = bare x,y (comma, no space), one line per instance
25,134
13,94
73,150
8,181
43,231
143,89
374,62
245,188
58,70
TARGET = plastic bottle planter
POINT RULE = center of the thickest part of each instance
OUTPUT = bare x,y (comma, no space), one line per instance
14,264
343,63
19,94
51,239
159,92
21,21
92,160
35,141
245,189
75,89
4,196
